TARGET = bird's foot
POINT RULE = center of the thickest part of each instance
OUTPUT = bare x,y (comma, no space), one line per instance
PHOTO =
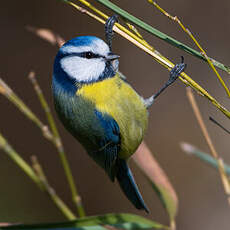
176,71
174,74
109,29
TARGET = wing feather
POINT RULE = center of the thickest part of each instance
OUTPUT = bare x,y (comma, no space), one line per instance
109,143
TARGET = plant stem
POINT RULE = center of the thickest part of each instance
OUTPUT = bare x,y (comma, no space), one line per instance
31,174
58,144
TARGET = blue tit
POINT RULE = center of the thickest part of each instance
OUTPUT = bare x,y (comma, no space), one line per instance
100,109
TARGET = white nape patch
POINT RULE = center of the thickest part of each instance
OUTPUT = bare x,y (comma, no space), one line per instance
97,46
83,69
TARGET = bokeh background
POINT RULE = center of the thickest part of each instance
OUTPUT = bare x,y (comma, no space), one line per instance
202,203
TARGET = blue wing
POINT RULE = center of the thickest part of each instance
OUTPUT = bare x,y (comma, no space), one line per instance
109,144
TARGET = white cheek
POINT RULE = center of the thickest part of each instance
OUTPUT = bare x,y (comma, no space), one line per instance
83,69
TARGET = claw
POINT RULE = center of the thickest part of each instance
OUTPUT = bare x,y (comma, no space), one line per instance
176,70
109,29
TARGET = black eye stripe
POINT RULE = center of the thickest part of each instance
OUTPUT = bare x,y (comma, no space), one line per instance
90,55
83,55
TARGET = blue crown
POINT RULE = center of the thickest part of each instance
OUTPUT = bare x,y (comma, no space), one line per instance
81,41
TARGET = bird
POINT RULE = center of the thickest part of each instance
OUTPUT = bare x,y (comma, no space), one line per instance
98,106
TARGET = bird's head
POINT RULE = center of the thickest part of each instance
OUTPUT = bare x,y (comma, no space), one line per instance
86,59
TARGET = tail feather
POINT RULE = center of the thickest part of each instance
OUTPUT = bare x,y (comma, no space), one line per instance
128,185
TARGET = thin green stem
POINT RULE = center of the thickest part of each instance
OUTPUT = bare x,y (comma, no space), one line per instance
58,144
4,145
44,104
8,149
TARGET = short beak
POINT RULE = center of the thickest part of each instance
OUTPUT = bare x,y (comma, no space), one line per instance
112,57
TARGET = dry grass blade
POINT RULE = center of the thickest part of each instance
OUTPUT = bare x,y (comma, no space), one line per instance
199,118
48,35
151,169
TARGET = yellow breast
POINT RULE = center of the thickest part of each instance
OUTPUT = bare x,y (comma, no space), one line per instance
118,99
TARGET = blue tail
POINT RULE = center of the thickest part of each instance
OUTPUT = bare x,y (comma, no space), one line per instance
128,185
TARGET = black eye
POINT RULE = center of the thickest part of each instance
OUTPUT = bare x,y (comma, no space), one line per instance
88,55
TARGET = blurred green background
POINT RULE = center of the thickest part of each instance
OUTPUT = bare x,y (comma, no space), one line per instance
202,203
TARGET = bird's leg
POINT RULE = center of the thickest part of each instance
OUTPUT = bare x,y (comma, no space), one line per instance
109,29
174,74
